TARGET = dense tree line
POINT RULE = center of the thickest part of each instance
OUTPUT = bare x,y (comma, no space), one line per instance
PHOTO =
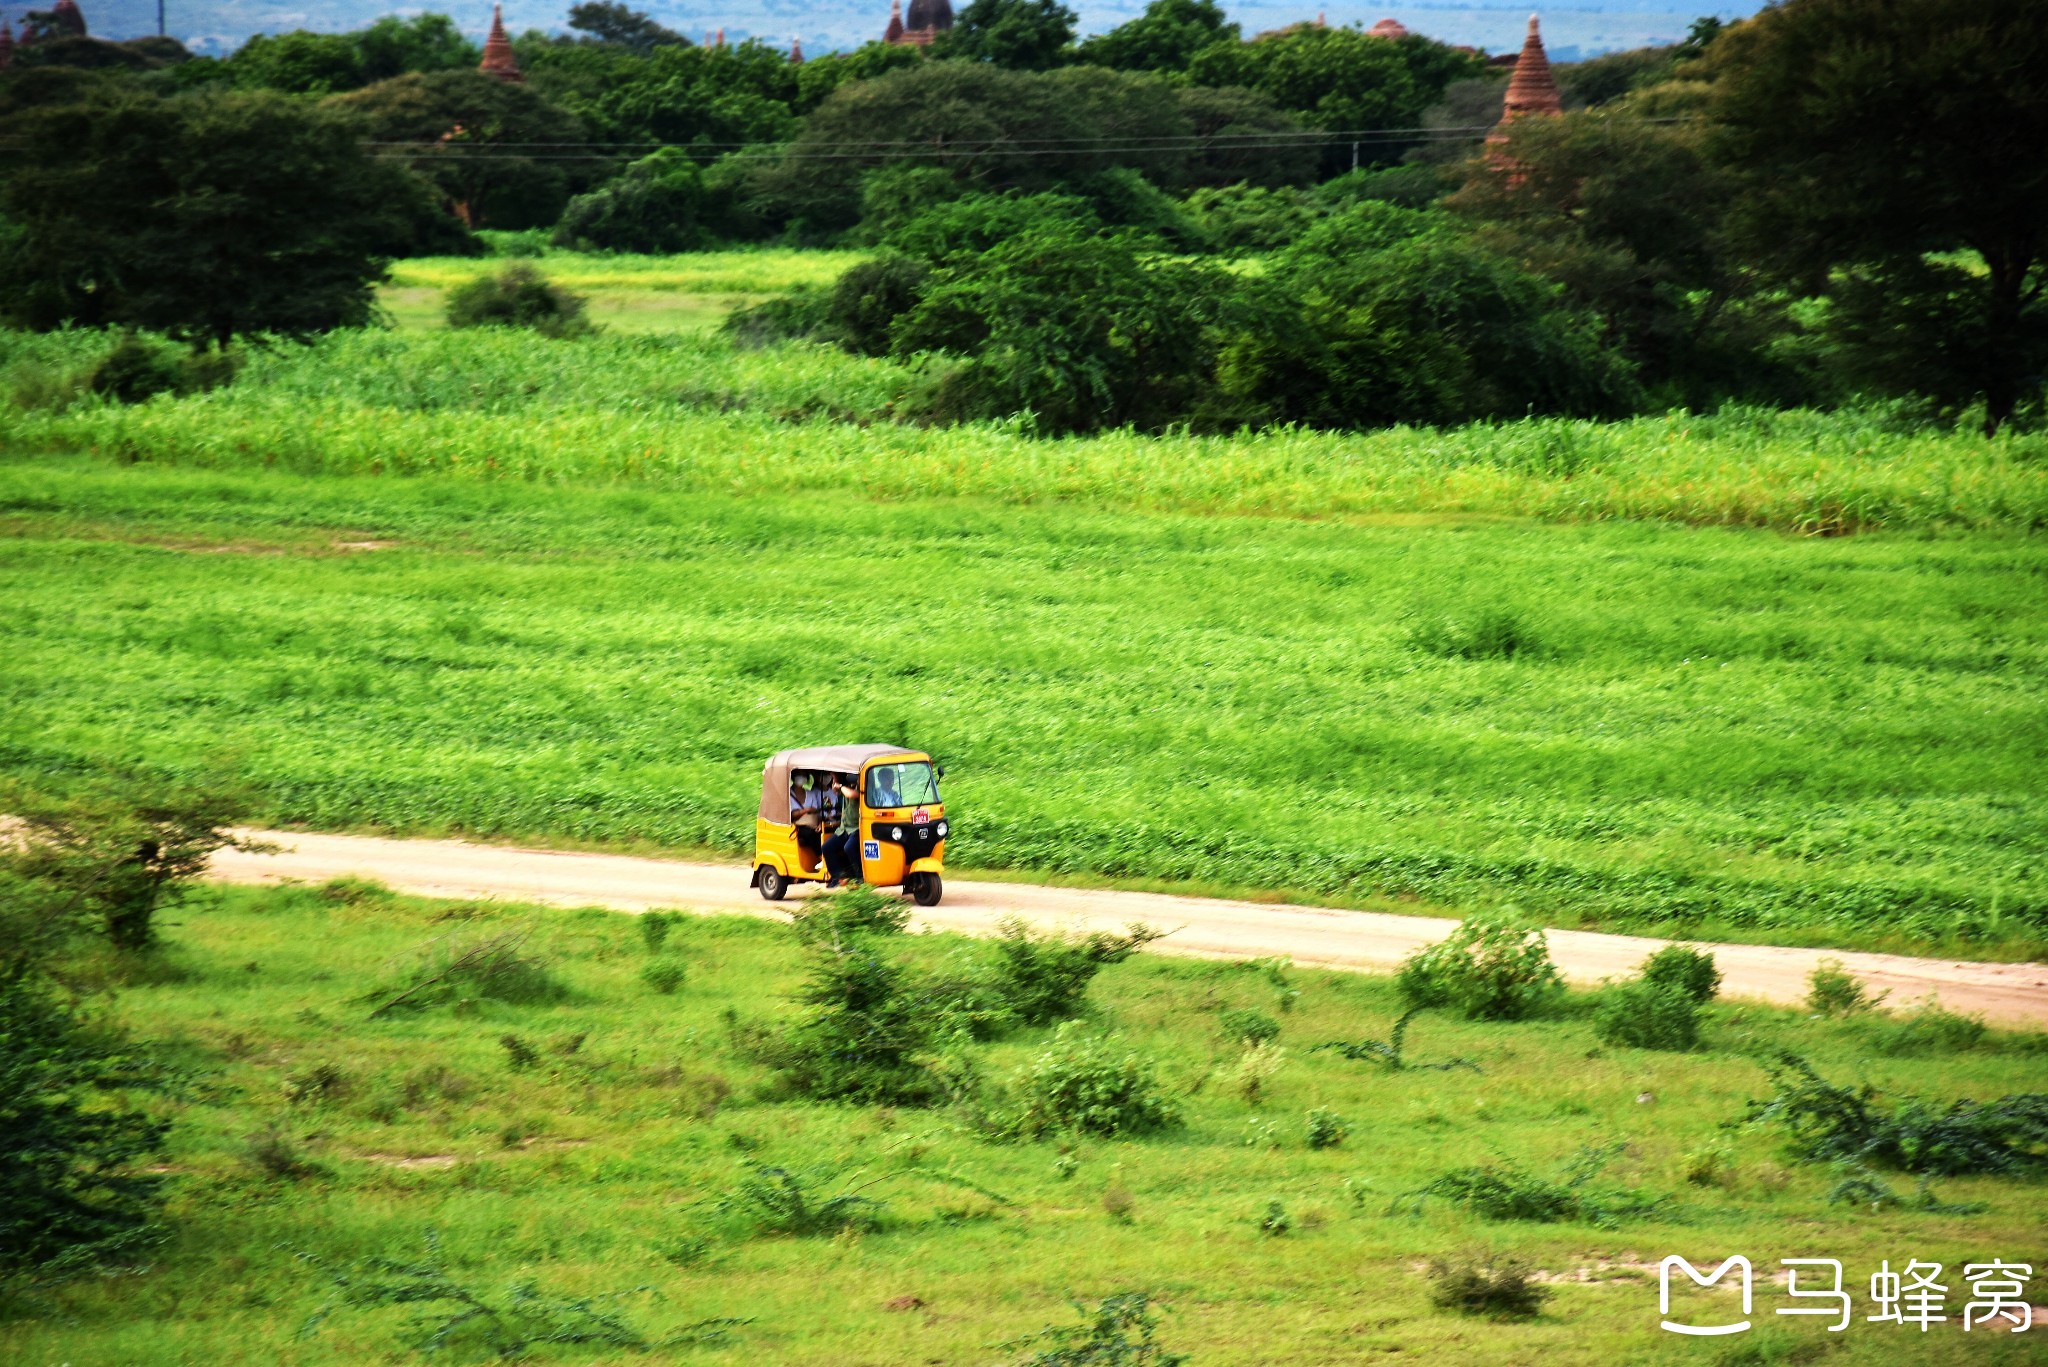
1835,197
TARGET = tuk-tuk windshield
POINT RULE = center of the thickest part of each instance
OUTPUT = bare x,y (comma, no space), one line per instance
908,784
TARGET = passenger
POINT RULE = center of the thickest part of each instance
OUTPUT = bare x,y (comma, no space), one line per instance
842,848
807,812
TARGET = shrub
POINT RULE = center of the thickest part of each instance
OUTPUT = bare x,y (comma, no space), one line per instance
276,1154
116,857
1276,1221
322,1082
1044,978
1827,1123
1929,1030
1494,1289
1832,991
1249,1026
518,297
773,1200
867,300
865,1035
495,967
1861,1187
519,1055
1689,970
1326,1129
1505,1191
1256,1068
447,1316
1116,1333
1118,1203
1389,1051
70,1140
1491,634
1487,969
654,929
858,909
664,975
135,370
1647,1015
1081,1083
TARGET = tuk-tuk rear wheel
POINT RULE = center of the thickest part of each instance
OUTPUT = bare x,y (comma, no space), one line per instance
926,889
772,883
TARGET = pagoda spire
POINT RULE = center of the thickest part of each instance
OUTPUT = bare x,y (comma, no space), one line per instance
1532,90
499,59
894,33
6,45
796,52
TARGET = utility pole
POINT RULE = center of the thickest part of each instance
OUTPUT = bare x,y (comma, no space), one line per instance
159,18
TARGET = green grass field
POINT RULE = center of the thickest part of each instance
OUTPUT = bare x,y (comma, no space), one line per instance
597,1169
1633,725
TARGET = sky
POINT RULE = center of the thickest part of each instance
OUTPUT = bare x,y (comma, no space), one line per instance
219,26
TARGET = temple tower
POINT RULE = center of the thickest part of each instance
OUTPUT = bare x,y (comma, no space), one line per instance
498,59
894,33
1532,90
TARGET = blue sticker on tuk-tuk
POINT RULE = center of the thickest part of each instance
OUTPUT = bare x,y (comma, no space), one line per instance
871,849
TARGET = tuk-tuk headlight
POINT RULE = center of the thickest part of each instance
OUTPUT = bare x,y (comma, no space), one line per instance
942,830
895,832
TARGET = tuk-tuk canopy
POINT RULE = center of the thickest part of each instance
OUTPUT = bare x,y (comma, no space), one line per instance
833,759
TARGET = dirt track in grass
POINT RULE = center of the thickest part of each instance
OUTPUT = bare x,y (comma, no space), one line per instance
2007,995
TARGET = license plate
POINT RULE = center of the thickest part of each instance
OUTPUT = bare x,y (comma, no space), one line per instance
871,849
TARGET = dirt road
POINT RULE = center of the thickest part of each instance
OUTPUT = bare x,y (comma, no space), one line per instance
2004,994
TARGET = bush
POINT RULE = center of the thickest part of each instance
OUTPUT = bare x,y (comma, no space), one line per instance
1489,968
656,205
1929,1030
772,1200
70,1191
1249,1026
1116,1333
865,1035
494,967
1326,1129
135,370
1044,978
854,910
1256,1068
1250,218
1082,1084
1832,991
1504,1191
1647,1015
1498,1290
520,297
1081,330
868,298
654,929
1490,634
664,975
1827,1123
1689,970
1389,1052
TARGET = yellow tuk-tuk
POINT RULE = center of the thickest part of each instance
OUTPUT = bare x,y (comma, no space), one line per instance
899,830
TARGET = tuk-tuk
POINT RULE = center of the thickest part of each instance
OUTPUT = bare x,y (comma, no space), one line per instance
901,832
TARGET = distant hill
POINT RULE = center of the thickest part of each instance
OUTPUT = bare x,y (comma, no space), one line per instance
219,26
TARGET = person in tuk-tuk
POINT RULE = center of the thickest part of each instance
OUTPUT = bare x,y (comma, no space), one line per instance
842,847
807,811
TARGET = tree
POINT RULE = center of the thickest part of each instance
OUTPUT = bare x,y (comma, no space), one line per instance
1244,137
59,21
986,127
1340,78
1083,330
482,142
654,205
297,63
426,42
1165,37
1024,35
1873,136
1399,318
1629,214
204,217
608,21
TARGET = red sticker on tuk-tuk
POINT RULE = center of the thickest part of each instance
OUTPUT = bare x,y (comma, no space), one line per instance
921,815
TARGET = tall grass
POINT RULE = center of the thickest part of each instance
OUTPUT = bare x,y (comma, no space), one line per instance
695,414
765,271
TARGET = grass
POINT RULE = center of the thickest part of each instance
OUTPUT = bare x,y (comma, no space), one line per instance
599,1168
629,294
1713,733
688,412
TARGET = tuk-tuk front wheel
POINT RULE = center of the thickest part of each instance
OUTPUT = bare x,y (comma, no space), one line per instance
772,883
925,889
